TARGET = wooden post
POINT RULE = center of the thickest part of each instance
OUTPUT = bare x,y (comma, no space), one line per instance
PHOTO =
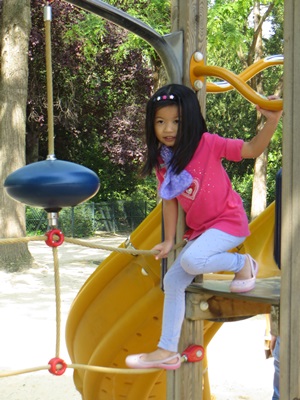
290,251
189,16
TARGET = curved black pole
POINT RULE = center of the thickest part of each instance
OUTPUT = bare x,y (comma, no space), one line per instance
164,49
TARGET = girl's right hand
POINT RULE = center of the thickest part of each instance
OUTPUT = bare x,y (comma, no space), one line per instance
163,248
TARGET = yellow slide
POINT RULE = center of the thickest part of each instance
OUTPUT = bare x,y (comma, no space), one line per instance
118,311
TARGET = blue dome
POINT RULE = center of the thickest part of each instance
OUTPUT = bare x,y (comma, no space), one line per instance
52,184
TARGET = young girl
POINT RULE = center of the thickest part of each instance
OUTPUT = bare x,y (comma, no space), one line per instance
188,164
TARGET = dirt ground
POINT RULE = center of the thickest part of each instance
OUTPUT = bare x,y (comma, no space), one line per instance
238,369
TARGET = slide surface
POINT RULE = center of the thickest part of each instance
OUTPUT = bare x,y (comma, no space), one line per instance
118,311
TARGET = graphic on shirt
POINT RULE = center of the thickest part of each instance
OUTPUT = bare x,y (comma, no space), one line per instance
192,190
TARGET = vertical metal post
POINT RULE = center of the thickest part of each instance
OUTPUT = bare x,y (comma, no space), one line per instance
47,22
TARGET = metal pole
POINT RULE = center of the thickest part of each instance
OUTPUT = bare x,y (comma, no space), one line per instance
168,47
47,21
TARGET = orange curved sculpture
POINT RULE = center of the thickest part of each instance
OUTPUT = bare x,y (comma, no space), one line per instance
198,72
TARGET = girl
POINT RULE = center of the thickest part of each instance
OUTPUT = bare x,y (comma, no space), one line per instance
188,164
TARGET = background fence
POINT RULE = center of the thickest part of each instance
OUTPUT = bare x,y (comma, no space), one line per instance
89,218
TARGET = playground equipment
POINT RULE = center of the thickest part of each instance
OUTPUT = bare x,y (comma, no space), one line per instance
118,310
52,184
43,184
198,72
119,307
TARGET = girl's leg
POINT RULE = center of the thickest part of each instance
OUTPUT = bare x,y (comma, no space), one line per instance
175,282
209,253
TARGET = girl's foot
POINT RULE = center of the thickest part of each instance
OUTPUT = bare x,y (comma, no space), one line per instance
158,354
246,271
244,280
159,358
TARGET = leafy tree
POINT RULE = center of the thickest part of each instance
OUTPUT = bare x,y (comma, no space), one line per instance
103,76
101,85
155,13
240,27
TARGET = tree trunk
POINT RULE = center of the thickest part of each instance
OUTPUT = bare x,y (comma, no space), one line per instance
14,39
259,188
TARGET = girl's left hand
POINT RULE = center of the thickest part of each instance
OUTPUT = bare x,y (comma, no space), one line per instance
163,248
270,114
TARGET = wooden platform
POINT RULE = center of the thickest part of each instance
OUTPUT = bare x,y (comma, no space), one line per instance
212,300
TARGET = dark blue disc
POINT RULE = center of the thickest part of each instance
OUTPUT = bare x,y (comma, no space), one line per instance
52,184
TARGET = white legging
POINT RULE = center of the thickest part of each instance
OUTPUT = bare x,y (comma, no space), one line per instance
205,254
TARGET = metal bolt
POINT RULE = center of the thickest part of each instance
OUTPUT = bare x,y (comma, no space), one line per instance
198,56
204,306
198,84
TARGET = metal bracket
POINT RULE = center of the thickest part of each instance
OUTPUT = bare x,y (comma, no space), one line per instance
168,47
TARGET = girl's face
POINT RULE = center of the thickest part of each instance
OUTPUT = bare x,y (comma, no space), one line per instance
166,125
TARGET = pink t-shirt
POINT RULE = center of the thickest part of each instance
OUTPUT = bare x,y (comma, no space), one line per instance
210,201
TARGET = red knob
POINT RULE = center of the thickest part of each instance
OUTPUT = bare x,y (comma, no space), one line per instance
57,242
193,353
57,366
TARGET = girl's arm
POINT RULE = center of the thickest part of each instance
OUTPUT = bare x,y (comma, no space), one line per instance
260,142
170,214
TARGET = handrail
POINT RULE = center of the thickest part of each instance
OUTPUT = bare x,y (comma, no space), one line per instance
198,71
248,73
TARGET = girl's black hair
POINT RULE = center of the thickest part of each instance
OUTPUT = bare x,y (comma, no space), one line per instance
190,128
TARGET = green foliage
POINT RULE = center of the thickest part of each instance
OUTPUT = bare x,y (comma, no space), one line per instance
155,14
146,190
274,163
228,30
103,77
91,31
76,221
99,99
243,185
230,45
87,219
36,221
79,218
